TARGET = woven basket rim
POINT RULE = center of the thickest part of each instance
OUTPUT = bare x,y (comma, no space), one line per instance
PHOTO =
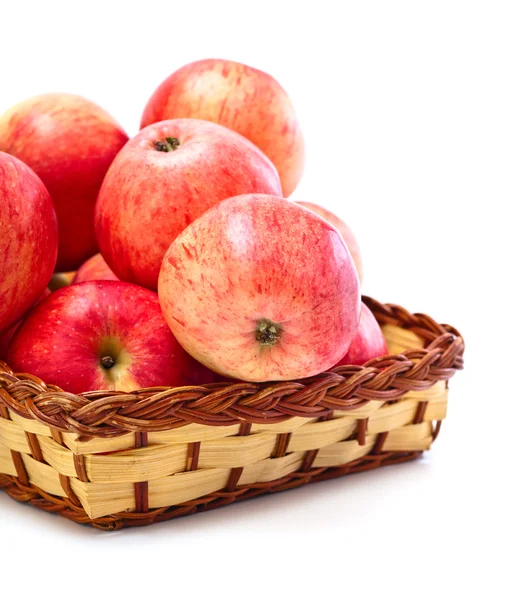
109,414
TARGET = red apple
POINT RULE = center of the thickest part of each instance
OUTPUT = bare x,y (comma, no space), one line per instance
345,231
102,335
7,336
241,98
162,180
261,289
368,342
69,142
28,239
94,269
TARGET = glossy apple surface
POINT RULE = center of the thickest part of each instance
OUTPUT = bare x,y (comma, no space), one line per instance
345,231
162,180
241,98
368,342
102,335
261,289
28,239
69,142
94,269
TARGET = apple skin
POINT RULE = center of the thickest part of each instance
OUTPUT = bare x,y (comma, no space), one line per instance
94,269
28,239
69,142
149,196
345,231
7,336
368,342
66,336
250,264
241,98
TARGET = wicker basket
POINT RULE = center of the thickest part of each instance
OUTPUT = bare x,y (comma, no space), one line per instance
117,459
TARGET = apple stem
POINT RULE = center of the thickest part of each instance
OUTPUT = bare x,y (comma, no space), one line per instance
107,362
267,333
168,145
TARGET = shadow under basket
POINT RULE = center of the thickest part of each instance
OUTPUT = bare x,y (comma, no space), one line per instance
116,459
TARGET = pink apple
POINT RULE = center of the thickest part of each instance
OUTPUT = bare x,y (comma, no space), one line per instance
162,180
343,228
94,269
69,142
368,342
261,289
241,98
28,239
102,335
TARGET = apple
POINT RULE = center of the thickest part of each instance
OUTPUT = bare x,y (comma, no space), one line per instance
241,98
69,142
94,269
259,289
28,239
162,180
369,341
102,335
7,336
343,228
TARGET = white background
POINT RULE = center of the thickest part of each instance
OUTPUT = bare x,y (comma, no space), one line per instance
416,119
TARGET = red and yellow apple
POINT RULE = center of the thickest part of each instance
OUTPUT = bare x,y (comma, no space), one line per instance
259,288
368,342
94,269
102,335
28,239
241,98
69,142
343,228
162,180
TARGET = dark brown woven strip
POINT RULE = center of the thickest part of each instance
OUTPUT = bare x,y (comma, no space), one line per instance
34,446
141,490
379,444
80,467
361,432
67,487
283,440
236,472
57,436
419,414
193,452
20,468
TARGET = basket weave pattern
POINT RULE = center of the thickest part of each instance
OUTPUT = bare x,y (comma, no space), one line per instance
117,459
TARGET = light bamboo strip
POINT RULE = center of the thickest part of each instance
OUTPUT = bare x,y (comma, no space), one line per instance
236,451
343,452
317,435
12,436
7,466
30,425
399,339
141,464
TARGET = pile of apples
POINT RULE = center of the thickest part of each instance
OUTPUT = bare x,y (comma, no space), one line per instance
192,266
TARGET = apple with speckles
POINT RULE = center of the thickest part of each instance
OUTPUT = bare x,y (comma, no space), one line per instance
261,289
369,341
94,269
69,142
7,336
241,98
102,335
28,239
162,180
343,228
